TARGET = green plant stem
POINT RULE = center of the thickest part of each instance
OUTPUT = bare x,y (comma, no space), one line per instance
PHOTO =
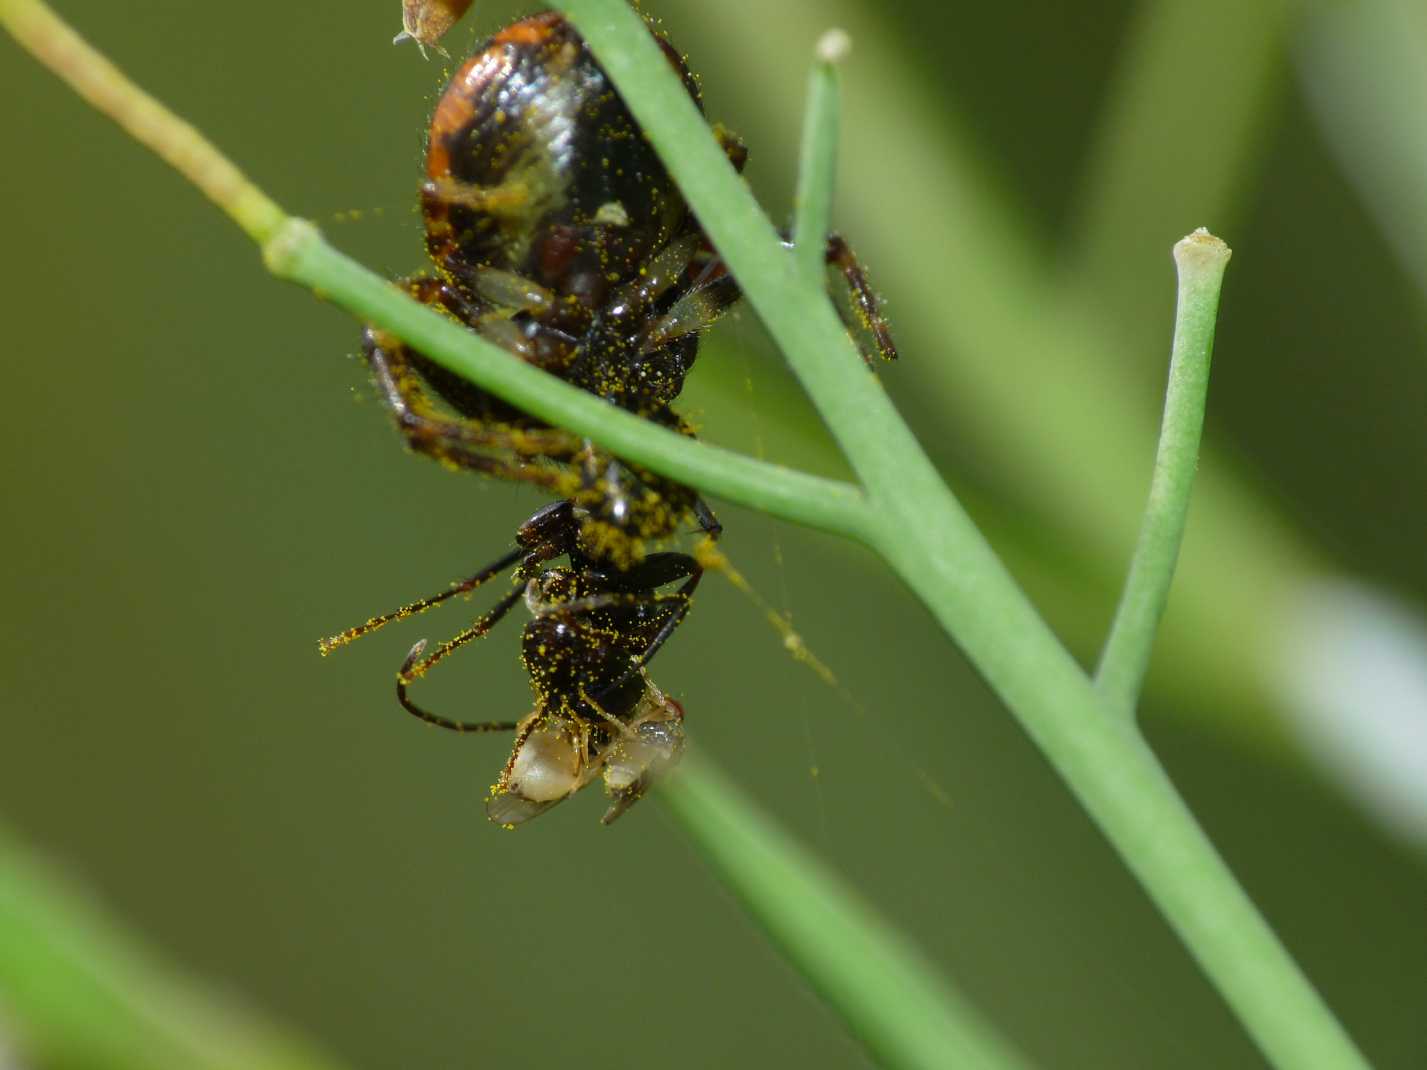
78,992
890,996
1201,259
911,519
817,170
301,255
923,533
798,314
90,74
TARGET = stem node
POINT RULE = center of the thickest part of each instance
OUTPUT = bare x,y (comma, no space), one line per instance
282,251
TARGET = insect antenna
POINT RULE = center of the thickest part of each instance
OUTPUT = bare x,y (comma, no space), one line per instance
414,669
470,583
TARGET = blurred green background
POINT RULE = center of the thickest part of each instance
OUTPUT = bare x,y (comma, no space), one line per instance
200,484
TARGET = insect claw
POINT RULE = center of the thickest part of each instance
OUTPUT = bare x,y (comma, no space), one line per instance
407,35
412,657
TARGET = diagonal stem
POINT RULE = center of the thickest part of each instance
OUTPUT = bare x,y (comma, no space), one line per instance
299,254
888,993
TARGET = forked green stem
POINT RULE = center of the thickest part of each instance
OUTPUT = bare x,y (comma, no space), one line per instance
77,991
927,538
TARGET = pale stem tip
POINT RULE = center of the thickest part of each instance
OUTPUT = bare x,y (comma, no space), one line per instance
1200,251
834,46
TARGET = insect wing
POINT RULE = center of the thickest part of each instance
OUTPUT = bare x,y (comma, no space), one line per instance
509,809
547,765
633,764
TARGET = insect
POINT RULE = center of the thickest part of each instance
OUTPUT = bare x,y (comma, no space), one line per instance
426,21
593,629
556,233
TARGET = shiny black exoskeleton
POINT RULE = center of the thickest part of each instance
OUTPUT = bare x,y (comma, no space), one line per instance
593,629
557,234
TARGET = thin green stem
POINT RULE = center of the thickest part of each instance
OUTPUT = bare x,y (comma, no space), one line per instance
889,995
817,162
90,74
1121,785
75,990
300,255
1201,259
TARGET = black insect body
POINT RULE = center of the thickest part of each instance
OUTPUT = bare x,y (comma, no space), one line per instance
557,234
594,627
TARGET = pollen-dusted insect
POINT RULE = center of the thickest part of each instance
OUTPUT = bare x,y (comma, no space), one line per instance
427,21
557,234
593,629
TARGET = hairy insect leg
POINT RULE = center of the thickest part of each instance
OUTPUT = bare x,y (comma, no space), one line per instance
415,667
459,441
865,305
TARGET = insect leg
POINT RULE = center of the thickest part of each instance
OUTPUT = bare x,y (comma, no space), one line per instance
865,305
415,667
459,441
